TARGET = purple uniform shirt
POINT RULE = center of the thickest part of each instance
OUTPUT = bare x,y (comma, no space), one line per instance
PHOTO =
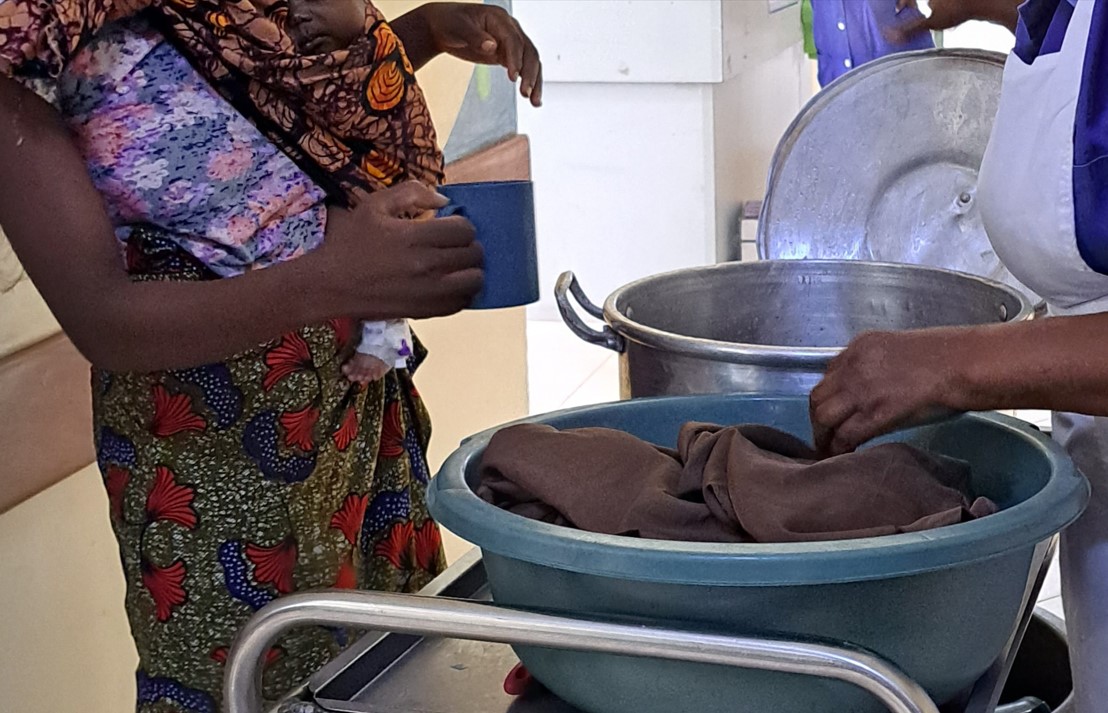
849,33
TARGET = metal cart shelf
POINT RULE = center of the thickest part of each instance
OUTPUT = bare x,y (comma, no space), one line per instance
447,650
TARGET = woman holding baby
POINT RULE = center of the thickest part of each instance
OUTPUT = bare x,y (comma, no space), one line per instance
185,181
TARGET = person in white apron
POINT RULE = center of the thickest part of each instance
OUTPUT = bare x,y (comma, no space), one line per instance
1043,194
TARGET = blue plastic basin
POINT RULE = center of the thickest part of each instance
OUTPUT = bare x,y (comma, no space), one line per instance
940,604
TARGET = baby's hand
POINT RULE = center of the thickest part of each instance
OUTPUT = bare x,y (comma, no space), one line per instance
364,368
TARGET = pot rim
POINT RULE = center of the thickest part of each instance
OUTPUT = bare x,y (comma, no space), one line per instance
768,354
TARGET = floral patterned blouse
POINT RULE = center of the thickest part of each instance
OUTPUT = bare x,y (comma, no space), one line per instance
164,149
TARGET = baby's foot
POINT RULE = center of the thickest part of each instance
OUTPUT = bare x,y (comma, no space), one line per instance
364,368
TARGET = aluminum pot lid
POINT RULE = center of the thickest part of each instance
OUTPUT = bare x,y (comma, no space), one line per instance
882,166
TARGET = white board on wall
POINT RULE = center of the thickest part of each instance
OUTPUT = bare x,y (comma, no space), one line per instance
668,42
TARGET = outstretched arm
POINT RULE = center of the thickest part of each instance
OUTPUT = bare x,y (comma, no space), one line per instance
947,14
884,381
484,34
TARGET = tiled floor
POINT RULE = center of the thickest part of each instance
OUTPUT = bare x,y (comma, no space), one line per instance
565,372
1051,596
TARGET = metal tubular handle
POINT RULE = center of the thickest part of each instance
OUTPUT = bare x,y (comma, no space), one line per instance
451,618
986,694
563,288
1029,704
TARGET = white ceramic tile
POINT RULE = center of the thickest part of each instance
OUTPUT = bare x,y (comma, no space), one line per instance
1052,587
749,252
1054,606
1038,418
558,364
601,387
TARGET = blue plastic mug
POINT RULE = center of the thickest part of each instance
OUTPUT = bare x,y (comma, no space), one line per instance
503,212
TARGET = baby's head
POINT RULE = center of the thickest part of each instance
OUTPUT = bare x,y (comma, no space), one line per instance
322,26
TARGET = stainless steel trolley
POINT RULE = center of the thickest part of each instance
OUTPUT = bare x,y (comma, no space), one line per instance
447,650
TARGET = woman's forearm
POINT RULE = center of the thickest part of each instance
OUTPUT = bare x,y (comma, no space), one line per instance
1059,364
1001,12
57,225
948,14
153,326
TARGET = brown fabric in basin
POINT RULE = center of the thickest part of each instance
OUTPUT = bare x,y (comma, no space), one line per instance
723,484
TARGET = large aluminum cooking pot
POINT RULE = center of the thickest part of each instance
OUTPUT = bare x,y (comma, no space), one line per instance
771,327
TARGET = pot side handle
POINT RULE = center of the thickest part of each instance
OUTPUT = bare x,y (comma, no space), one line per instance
567,285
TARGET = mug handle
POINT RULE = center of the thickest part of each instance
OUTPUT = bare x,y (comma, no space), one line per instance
452,209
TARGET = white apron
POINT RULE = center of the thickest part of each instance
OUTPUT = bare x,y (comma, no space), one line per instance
1027,199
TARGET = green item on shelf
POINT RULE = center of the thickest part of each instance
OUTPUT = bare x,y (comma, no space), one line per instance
806,27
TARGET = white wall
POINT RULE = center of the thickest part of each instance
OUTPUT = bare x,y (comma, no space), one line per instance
627,41
769,78
64,641
623,192
980,35
659,120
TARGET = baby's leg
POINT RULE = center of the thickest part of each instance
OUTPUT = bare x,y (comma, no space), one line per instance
373,359
364,368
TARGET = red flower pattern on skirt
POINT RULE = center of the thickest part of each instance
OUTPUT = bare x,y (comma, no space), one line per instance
348,431
166,586
115,482
428,542
348,518
344,330
289,356
397,545
219,654
347,577
274,565
392,433
169,501
173,414
299,428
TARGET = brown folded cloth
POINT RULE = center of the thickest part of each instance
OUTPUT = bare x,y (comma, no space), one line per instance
722,484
